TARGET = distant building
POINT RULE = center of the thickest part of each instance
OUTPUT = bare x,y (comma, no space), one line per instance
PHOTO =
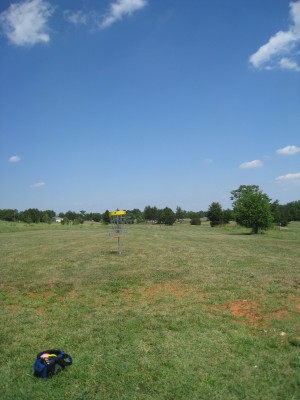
56,219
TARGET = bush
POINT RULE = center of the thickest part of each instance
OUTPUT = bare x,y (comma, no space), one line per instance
195,219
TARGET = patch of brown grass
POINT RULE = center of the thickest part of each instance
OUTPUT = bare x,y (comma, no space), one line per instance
251,313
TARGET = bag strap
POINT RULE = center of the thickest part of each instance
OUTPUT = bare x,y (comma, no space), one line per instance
69,357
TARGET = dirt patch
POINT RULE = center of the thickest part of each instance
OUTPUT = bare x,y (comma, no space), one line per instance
245,308
47,294
296,301
127,297
40,310
250,312
279,314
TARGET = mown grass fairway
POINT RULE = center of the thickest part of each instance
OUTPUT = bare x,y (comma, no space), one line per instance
185,312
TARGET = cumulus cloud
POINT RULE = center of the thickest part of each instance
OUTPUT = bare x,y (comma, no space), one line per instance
288,150
38,185
121,8
25,23
289,177
14,159
251,164
282,49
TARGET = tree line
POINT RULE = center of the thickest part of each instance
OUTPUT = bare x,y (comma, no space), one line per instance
251,208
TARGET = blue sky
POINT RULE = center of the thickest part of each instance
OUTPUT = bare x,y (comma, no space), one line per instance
109,104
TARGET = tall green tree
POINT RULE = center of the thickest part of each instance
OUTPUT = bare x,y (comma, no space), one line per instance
252,208
179,213
168,216
106,217
215,214
151,214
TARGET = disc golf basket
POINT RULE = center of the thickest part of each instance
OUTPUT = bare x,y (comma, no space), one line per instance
118,221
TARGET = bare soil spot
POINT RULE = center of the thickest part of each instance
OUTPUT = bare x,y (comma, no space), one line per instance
248,310
127,297
40,310
296,301
251,313
47,294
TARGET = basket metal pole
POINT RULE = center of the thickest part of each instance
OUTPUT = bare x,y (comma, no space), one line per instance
119,246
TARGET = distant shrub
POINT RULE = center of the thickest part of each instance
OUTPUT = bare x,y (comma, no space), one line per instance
195,219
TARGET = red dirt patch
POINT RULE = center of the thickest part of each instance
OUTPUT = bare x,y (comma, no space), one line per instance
127,297
251,313
245,308
296,301
279,314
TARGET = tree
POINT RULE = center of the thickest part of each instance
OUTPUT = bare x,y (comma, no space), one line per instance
215,214
65,221
9,215
106,217
227,216
179,214
83,215
195,219
96,217
293,210
31,215
135,215
159,215
151,213
252,208
168,216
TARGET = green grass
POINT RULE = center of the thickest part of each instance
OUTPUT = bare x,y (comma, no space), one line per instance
186,312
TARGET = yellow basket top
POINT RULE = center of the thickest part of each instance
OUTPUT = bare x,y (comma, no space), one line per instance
119,212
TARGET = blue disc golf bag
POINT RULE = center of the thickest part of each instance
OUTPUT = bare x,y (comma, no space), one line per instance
50,362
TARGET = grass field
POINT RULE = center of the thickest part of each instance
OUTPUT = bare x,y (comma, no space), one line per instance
186,312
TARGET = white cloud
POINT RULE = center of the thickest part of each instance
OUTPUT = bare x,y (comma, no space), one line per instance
286,63
251,164
77,17
25,23
289,178
288,150
281,48
121,8
38,185
14,159
117,10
